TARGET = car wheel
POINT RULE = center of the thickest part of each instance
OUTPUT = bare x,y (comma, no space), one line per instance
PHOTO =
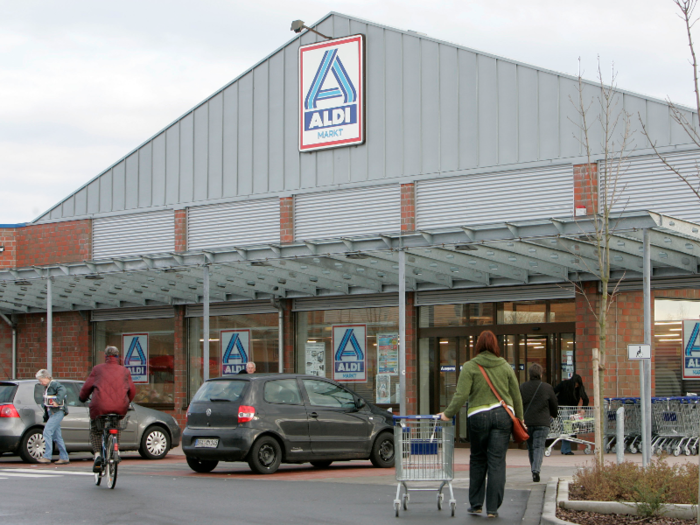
32,446
202,466
155,443
321,464
265,456
383,451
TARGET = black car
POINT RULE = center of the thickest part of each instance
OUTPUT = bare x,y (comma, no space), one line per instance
268,419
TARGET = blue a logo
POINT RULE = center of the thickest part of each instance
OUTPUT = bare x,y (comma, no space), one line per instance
692,348
330,62
235,355
353,352
135,356
350,356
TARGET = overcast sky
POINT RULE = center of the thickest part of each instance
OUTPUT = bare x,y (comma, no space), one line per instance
82,82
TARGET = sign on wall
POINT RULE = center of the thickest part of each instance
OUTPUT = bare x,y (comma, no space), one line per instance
136,356
691,349
331,93
235,350
316,359
388,354
350,353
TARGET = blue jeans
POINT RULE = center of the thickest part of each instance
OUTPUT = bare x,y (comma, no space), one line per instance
535,447
52,432
490,434
565,446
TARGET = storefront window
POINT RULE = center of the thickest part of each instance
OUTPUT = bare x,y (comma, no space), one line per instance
668,346
156,386
378,328
258,333
478,314
526,312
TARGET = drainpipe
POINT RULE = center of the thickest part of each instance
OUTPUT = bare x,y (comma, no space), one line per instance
14,344
280,326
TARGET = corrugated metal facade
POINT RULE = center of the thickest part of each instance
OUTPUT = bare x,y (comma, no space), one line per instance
348,212
432,108
235,223
133,234
495,197
646,184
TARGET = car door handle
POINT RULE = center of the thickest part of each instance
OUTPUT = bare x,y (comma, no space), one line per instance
313,414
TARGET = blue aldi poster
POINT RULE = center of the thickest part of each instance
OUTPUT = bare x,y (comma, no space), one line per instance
691,349
350,353
235,351
331,93
135,348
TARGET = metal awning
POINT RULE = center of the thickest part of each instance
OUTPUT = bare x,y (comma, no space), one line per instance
503,254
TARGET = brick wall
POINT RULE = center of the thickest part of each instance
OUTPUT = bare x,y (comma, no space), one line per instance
71,345
408,207
60,242
288,336
586,187
180,388
411,355
286,219
8,239
181,230
5,350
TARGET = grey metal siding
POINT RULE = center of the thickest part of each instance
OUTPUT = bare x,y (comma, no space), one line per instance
495,197
133,234
237,223
432,108
376,209
646,184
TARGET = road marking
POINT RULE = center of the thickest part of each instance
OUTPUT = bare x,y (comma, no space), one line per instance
25,475
43,473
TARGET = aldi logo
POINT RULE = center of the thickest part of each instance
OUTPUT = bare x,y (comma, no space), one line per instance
350,353
136,356
331,92
235,350
691,349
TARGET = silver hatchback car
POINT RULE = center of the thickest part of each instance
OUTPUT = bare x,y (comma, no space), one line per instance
152,432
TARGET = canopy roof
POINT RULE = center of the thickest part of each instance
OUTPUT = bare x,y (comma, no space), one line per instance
486,255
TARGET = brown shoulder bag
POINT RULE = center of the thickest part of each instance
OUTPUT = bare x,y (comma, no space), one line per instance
519,431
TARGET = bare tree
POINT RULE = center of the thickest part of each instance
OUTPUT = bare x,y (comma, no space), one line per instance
604,187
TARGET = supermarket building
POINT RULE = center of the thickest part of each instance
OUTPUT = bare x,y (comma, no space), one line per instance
459,174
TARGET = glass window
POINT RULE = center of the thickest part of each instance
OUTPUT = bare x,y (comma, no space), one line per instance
315,348
668,346
325,394
159,388
220,391
526,312
261,330
282,392
39,393
7,392
72,393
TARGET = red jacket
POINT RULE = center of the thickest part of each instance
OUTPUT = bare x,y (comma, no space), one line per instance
111,387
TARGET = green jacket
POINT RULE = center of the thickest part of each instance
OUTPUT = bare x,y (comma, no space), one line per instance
473,388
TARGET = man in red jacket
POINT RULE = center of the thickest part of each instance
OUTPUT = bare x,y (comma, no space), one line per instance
112,390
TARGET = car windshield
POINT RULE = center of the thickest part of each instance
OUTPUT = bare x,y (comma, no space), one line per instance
220,391
7,392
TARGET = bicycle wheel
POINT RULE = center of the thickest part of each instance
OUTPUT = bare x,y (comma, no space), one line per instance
111,463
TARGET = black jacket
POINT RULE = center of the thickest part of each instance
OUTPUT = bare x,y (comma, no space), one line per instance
569,395
538,404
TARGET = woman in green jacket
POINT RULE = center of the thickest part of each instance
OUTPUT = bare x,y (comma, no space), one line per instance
489,424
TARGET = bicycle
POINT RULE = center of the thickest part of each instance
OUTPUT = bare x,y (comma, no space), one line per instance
109,425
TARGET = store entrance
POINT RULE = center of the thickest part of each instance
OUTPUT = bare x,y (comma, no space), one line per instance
550,348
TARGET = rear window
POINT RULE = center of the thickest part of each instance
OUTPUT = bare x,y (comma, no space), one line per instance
220,391
7,392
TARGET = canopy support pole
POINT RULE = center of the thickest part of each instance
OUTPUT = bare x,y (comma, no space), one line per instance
645,364
49,326
205,328
402,331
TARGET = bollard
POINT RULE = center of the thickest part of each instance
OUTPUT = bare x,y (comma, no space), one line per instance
620,438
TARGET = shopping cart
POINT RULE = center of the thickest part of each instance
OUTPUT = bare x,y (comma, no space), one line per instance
571,422
424,452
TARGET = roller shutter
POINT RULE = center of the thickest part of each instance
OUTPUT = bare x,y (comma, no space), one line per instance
496,294
246,307
233,224
123,314
376,209
648,185
495,197
134,234
344,302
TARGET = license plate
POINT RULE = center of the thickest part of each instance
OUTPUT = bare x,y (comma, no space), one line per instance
206,443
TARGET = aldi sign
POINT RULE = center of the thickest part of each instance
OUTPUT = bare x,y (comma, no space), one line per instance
135,348
691,349
332,93
350,353
235,350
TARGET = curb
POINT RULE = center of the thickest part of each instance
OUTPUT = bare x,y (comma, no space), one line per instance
549,510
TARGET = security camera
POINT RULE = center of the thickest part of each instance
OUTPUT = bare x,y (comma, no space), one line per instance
297,26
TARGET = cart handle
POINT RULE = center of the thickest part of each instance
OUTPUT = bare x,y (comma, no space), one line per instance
429,417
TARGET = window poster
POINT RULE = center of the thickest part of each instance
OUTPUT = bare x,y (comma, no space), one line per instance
383,388
235,351
316,359
350,353
388,354
135,347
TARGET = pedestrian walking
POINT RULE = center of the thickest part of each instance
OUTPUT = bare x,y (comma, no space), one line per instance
488,422
55,410
540,403
249,368
570,393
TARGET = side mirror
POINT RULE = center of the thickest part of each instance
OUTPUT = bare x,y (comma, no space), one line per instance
359,402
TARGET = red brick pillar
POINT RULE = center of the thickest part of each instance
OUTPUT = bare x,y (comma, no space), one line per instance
408,207
411,355
586,334
585,189
288,336
180,366
181,230
286,220
8,241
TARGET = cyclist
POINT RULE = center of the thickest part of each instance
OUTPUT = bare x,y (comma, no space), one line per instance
112,390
